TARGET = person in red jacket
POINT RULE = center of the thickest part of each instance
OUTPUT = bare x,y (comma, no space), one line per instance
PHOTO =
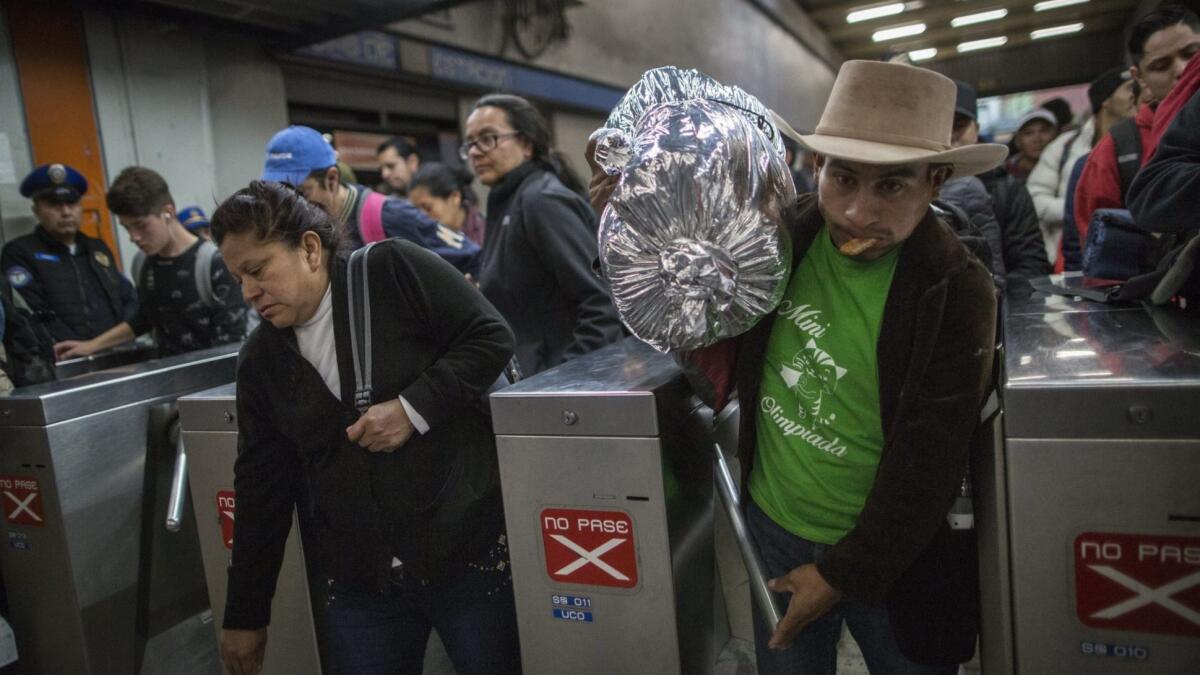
1160,46
1188,84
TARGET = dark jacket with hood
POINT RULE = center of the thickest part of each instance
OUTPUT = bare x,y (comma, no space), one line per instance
934,356
537,269
434,501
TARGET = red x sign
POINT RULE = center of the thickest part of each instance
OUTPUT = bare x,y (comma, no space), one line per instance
590,547
1138,582
225,508
22,500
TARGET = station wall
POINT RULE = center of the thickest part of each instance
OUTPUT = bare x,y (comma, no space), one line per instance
615,41
15,216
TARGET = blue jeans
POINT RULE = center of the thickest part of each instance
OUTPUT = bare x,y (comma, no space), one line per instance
815,650
386,632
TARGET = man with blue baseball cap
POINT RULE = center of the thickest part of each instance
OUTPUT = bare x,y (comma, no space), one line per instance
69,280
301,157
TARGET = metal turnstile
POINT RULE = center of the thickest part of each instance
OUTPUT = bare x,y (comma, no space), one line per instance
96,583
210,435
1096,491
606,469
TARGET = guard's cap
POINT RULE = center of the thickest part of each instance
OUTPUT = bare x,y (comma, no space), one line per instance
294,153
193,218
54,182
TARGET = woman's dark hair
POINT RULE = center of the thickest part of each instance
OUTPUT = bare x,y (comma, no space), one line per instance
443,180
273,212
526,120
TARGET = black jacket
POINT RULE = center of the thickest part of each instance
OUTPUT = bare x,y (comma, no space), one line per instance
1023,251
1165,195
434,501
76,297
537,269
968,195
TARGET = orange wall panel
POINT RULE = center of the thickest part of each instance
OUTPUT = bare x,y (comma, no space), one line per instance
51,58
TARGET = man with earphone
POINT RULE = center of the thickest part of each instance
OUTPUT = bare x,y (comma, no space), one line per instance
187,296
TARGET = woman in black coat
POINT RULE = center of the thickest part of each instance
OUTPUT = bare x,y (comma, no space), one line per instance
536,265
404,497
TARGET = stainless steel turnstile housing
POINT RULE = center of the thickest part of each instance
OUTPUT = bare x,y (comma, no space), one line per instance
210,435
1099,485
606,469
92,574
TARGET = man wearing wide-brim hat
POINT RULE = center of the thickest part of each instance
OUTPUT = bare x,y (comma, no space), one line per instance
860,393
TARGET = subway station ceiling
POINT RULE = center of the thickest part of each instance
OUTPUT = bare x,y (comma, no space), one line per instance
938,30
297,23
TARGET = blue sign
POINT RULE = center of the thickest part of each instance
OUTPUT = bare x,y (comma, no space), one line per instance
570,601
368,48
480,71
374,49
572,615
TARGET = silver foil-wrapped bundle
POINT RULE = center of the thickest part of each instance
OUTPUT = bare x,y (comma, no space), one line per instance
692,241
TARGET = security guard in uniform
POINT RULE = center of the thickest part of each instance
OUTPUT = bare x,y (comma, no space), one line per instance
69,279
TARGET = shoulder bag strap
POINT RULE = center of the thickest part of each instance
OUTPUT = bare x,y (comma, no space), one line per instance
202,270
136,268
1127,144
370,218
1066,152
359,304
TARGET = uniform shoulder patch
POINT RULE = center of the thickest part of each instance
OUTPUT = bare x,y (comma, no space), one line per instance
19,277
102,258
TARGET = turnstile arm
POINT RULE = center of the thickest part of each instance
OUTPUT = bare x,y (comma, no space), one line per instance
728,489
178,485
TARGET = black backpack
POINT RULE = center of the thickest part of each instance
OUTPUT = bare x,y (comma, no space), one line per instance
27,344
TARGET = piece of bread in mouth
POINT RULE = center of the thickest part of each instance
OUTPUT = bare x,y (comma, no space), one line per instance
857,246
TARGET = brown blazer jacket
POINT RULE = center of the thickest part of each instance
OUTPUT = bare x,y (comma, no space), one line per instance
934,358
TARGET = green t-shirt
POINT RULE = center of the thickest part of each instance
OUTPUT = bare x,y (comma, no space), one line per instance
819,430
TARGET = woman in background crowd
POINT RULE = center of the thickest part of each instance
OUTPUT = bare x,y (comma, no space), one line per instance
444,192
541,237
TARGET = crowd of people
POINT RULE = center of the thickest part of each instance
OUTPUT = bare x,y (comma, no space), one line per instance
857,412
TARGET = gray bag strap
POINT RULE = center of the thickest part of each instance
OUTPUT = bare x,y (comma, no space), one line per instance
203,273
359,304
135,268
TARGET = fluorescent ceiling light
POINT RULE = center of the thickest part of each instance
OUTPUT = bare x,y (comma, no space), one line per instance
1055,4
898,32
1074,353
923,54
979,17
875,12
1056,30
988,43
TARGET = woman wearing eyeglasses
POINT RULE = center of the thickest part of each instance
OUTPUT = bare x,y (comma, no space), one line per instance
537,258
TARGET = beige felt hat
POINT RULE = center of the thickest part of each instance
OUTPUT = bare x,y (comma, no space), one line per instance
891,113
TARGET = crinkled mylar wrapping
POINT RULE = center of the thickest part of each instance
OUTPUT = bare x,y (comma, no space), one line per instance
692,241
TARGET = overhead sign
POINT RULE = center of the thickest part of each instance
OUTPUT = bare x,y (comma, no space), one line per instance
595,548
22,500
1138,582
225,506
